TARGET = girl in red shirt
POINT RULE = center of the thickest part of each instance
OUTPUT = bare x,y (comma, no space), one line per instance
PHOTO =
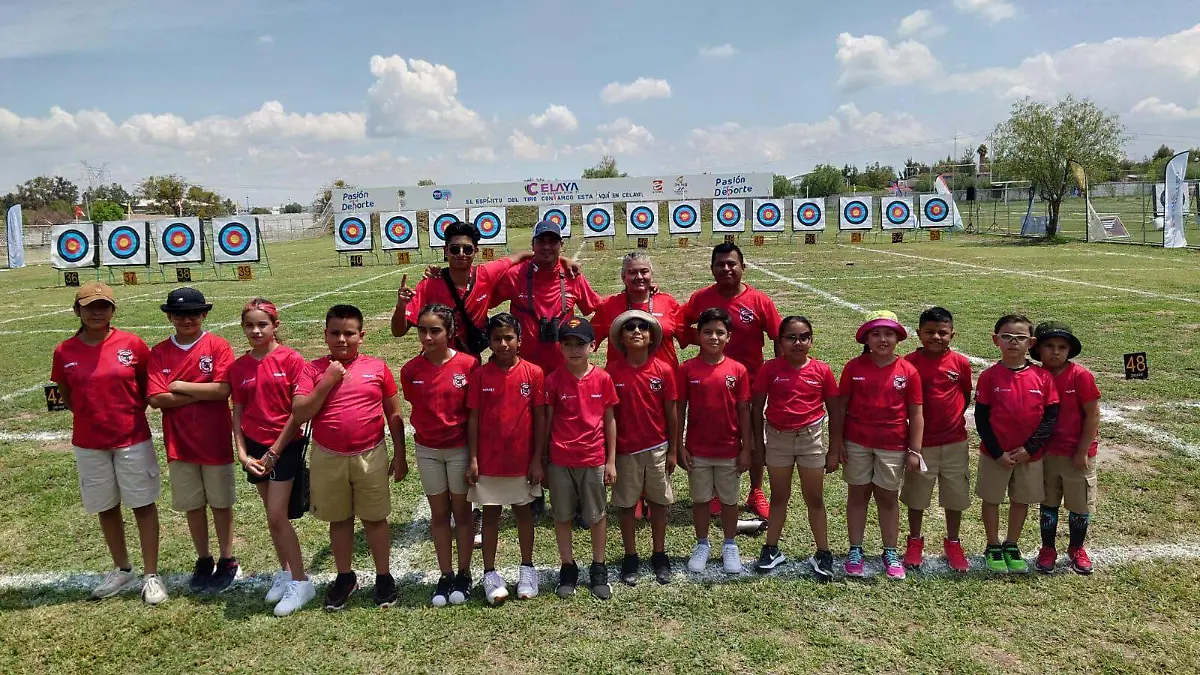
101,373
269,445
435,385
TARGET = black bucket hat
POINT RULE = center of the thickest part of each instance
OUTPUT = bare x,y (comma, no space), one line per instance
186,300
1056,329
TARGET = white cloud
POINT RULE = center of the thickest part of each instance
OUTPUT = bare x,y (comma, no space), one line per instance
266,39
556,118
920,24
526,148
872,60
483,154
622,137
418,98
1153,108
640,89
719,52
991,10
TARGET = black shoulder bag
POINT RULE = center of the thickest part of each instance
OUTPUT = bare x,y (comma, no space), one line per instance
477,341
298,503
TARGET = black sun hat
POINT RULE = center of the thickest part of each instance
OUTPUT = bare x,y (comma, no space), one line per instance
1056,329
186,300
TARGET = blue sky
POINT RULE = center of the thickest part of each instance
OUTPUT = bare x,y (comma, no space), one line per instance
271,99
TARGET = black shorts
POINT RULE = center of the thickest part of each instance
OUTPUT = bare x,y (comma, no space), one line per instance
285,469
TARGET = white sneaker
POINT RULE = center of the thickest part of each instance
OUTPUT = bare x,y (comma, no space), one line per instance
527,586
699,559
279,584
495,588
731,558
154,591
296,595
113,583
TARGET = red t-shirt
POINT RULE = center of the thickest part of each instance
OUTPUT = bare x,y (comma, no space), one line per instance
264,390
108,390
475,299
351,421
1076,385
506,401
549,294
199,432
753,314
643,393
946,388
577,430
712,394
877,401
438,395
1017,400
661,306
795,397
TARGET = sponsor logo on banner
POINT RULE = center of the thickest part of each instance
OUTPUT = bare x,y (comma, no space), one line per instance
680,185
535,188
656,186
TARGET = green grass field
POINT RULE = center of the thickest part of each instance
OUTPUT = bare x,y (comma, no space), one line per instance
1136,614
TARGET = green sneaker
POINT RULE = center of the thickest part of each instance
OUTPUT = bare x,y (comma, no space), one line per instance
994,556
1014,560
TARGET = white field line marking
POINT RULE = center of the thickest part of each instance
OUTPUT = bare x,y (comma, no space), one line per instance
1025,273
21,392
72,309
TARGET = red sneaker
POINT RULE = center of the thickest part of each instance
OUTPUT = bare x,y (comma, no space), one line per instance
1045,560
955,558
757,502
914,552
1080,562
714,507
638,509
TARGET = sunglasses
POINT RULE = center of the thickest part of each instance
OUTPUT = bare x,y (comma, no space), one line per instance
631,326
798,337
456,249
1013,339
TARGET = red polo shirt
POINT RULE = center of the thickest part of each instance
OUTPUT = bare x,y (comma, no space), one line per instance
1076,386
264,390
351,421
877,400
795,396
108,390
712,394
552,289
661,306
438,396
643,392
946,389
753,314
200,432
577,429
507,401
1017,399
476,298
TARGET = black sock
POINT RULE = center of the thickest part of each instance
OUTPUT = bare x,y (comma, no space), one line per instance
1049,523
489,570
126,569
526,563
1077,525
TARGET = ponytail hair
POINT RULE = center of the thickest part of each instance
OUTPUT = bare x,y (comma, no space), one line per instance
442,312
266,307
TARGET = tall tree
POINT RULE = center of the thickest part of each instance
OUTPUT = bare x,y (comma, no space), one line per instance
165,193
1164,151
425,182
104,211
782,187
294,207
824,180
113,192
605,168
1038,140
46,192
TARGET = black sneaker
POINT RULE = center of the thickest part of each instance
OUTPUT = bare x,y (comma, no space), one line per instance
599,581
822,564
460,590
385,590
568,579
201,573
538,507
629,569
226,572
769,559
441,594
662,567
340,590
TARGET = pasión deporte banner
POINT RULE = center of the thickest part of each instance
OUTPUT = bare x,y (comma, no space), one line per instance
673,187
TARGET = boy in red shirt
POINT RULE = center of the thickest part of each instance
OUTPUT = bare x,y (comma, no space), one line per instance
581,443
189,381
946,389
1016,407
647,430
350,397
714,394
1069,468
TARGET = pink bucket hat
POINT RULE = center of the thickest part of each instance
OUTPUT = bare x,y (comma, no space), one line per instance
880,319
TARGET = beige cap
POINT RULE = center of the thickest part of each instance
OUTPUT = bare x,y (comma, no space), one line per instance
92,291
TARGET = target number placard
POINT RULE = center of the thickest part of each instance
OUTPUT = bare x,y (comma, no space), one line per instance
492,225
245,273
641,219
183,274
356,260
856,237
235,240
123,243
729,216
684,242
398,230
855,213
808,215
559,215
936,235
71,279
730,239
898,213
403,258
684,217
352,232
600,245
759,240
598,221
935,211
178,240
643,242
130,278
439,221
810,238
54,398
897,237
768,215
488,254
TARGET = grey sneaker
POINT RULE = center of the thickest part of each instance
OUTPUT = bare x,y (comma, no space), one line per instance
154,591
114,582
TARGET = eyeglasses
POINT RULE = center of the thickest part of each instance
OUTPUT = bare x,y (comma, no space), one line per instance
456,249
1012,339
800,337
631,326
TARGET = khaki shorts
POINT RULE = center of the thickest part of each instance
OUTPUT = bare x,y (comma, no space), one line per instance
503,491
572,488
1065,484
865,466
443,470
1022,483
109,478
711,477
342,487
194,486
804,447
950,467
643,473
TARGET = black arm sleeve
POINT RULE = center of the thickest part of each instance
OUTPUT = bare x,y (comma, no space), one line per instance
1044,428
983,424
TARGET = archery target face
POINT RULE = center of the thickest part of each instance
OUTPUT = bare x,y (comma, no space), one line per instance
352,231
685,218
399,231
124,242
439,221
810,215
897,213
727,216
642,219
236,241
490,223
935,211
768,216
598,221
559,216
856,214
73,246
178,240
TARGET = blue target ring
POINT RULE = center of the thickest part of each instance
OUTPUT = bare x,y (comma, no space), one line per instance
398,229
352,231
898,213
234,238
729,215
767,215
556,216
441,223
488,224
855,212
684,216
809,214
598,220
642,218
124,242
73,246
936,210
178,239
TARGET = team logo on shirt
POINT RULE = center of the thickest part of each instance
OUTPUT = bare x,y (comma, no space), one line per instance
746,315
731,381
460,380
206,365
125,357
656,384
953,375
526,390
899,382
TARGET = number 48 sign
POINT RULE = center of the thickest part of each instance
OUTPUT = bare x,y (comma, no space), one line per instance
1136,367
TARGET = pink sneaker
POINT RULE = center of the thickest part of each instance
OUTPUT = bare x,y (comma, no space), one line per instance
854,563
891,562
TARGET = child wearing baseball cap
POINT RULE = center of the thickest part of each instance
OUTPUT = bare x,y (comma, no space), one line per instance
1069,468
876,434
